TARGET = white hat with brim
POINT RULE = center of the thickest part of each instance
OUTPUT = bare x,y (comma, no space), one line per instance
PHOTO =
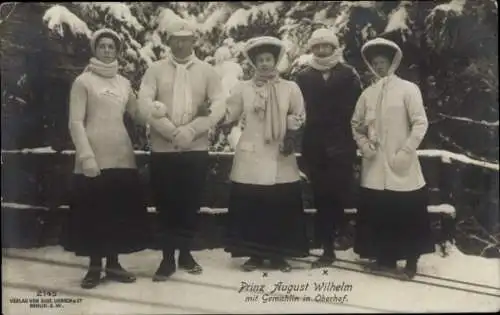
382,42
105,31
179,28
264,41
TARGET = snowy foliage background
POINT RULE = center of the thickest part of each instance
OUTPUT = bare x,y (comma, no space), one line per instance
450,50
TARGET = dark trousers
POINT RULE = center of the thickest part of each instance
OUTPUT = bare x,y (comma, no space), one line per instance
177,181
331,180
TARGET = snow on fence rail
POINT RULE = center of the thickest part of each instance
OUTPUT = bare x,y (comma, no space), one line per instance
442,208
446,156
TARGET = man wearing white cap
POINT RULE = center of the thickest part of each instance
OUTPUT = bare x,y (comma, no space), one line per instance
331,89
176,92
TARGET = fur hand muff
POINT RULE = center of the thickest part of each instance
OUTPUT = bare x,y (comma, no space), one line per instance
159,110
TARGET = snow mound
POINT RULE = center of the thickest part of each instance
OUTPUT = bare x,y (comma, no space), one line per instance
146,53
214,19
58,15
242,17
121,12
166,18
456,6
398,18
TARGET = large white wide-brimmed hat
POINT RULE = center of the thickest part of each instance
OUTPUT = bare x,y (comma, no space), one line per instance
262,42
367,50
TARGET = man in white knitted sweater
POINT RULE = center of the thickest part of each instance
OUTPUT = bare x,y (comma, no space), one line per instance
184,98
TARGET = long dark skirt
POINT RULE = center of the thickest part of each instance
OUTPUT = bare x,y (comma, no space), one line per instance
267,221
393,225
108,214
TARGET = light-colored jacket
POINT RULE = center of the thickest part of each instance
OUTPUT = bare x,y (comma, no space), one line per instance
96,126
157,85
255,161
401,124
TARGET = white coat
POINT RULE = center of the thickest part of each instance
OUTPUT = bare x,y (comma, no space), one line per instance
255,161
401,124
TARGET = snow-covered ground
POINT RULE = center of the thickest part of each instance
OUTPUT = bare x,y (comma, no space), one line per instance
216,290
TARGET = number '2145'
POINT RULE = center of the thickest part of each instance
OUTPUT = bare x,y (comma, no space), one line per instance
45,293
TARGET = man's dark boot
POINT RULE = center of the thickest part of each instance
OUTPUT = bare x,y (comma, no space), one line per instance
253,263
325,260
387,264
167,266
281,264
342,241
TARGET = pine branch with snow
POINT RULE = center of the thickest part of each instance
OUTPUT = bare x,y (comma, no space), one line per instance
59,16
438,22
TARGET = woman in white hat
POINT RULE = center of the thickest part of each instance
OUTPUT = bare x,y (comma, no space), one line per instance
265,208
108,211
389,124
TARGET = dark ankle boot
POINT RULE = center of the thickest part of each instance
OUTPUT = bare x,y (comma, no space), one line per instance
326,259
342,242
280,264
167,267
384,264
119,274
92,278
115,272
188,263
411,267
252,264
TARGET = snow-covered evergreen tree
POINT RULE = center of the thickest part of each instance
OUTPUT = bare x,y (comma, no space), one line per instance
449,47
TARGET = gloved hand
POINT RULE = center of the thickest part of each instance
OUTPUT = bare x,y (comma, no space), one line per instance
90,168
294,122
203,110
183,136
288,145
159,110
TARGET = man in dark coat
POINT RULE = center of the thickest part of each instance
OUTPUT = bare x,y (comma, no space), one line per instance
331,89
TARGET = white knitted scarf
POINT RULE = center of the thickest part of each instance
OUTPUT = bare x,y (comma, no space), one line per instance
327,63
107,70
182,101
